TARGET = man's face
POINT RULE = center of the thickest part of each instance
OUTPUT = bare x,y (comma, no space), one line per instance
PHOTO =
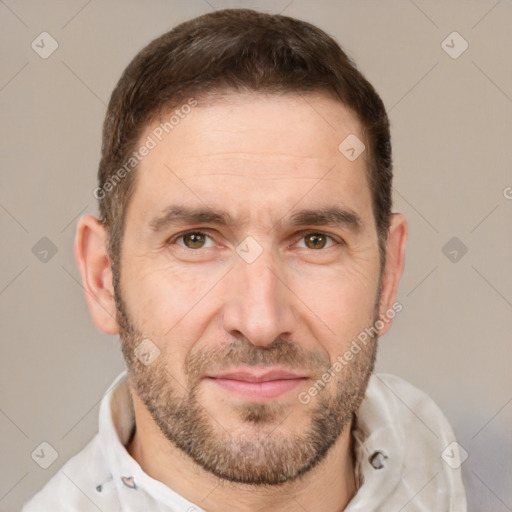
247,314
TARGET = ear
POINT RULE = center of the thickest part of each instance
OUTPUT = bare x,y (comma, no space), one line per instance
94,264
395,261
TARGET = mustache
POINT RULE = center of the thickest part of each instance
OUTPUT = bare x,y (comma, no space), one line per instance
280,353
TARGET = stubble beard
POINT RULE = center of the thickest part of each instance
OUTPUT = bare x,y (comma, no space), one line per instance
259,452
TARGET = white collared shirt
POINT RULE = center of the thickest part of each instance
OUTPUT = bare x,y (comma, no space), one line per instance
406,459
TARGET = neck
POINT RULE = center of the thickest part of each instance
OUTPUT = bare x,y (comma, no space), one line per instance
329,486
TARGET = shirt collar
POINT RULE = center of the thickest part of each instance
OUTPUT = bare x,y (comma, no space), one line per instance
136,490
378,432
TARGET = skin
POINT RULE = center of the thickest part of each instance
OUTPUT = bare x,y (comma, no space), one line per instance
260,158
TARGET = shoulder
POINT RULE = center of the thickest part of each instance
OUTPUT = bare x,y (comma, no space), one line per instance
382,381
396,395
83,484
411,413
417,447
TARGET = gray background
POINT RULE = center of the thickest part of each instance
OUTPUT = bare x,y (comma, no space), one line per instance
451,122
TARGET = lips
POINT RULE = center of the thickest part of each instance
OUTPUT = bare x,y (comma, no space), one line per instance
259,377
258,386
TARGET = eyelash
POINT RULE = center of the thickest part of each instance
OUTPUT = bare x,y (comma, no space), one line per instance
196,232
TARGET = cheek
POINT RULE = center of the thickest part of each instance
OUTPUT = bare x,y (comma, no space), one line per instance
165,307
162,299
343,304
171,302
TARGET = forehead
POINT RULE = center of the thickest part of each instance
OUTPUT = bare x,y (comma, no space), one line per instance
309,125
271,147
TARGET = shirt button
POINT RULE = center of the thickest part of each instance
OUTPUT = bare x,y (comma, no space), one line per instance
377,460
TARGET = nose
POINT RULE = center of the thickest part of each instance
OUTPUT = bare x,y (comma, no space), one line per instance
259,303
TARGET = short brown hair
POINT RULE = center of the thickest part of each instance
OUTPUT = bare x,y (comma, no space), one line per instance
236,50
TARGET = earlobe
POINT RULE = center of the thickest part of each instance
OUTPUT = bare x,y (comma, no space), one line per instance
94,264
395,261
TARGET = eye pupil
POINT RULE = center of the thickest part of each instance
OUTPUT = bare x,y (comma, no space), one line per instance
193,240
317,241
197,240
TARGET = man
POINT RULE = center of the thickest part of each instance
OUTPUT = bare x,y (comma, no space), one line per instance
247,256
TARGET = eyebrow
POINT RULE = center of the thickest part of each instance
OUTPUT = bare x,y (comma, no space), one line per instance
332,216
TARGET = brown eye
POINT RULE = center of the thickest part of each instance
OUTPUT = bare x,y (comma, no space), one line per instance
194,240
315,240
